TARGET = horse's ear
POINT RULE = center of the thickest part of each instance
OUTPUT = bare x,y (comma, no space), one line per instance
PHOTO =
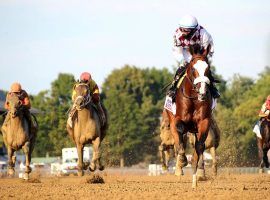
206,51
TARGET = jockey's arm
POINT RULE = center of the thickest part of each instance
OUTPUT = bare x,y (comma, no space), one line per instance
263,112
178,52
94,91
207,42
25,100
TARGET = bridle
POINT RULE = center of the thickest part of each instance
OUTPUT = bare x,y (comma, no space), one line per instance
16,107
192,80
82,101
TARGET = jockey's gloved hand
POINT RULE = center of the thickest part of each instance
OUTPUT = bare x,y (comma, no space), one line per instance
182,63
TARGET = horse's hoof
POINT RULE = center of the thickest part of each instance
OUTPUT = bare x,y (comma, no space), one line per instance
11,172
201,178
179,172
101,168
164,168
92,168
86,165
80,173
26,176
261,171
201,174
194,181
182,160
194,185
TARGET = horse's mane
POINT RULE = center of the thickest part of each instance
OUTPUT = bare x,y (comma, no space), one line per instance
196,49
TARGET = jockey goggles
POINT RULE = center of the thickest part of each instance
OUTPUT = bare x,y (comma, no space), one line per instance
186,30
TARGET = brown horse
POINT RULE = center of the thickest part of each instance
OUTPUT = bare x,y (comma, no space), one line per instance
87,128
264,143
17,135
193,113
167,143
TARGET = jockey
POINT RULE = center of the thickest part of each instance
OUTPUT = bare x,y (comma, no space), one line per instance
264,112
189,33
265,109
94,92
16,88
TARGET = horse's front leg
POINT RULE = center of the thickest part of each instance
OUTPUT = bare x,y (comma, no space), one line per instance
167,156
260,154
181,159
161,149
214,164
11,161
27,153
80,159
198,162
96,163
265,157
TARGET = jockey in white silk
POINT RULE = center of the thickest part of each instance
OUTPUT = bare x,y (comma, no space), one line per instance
188,33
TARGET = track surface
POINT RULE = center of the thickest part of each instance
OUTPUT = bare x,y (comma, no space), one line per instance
117,186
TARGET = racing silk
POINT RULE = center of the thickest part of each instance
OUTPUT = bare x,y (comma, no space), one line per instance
23,96
181,44
265,110
94,91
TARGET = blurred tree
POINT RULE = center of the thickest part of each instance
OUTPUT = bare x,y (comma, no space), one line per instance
133,98
54,104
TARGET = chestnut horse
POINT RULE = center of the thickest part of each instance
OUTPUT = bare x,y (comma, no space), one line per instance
264,143
193,110
87,128
17,135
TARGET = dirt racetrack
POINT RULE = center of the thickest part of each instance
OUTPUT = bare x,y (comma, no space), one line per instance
117,186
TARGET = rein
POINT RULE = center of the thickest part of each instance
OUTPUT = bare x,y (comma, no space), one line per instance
193,88
85,99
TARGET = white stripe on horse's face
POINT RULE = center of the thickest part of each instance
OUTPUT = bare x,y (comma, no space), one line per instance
200,66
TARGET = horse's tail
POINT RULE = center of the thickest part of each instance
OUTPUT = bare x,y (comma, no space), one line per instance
105,127
216,132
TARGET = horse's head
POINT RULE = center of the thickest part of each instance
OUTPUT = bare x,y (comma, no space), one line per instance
82,96
198,71
15,105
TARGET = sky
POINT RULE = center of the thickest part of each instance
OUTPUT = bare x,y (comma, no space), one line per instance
40,39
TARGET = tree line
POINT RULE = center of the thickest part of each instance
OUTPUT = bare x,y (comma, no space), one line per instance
134,98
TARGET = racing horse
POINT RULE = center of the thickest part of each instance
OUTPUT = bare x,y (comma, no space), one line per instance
87,128
167,143
193,110
18,134
263,143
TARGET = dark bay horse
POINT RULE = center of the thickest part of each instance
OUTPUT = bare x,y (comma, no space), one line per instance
167,143
264,143
193,113
17,135
87,128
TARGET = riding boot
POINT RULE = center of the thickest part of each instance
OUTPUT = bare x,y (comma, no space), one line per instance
172,89
213,90
31,125
101,113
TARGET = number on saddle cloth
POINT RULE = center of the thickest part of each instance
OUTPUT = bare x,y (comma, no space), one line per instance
170,105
